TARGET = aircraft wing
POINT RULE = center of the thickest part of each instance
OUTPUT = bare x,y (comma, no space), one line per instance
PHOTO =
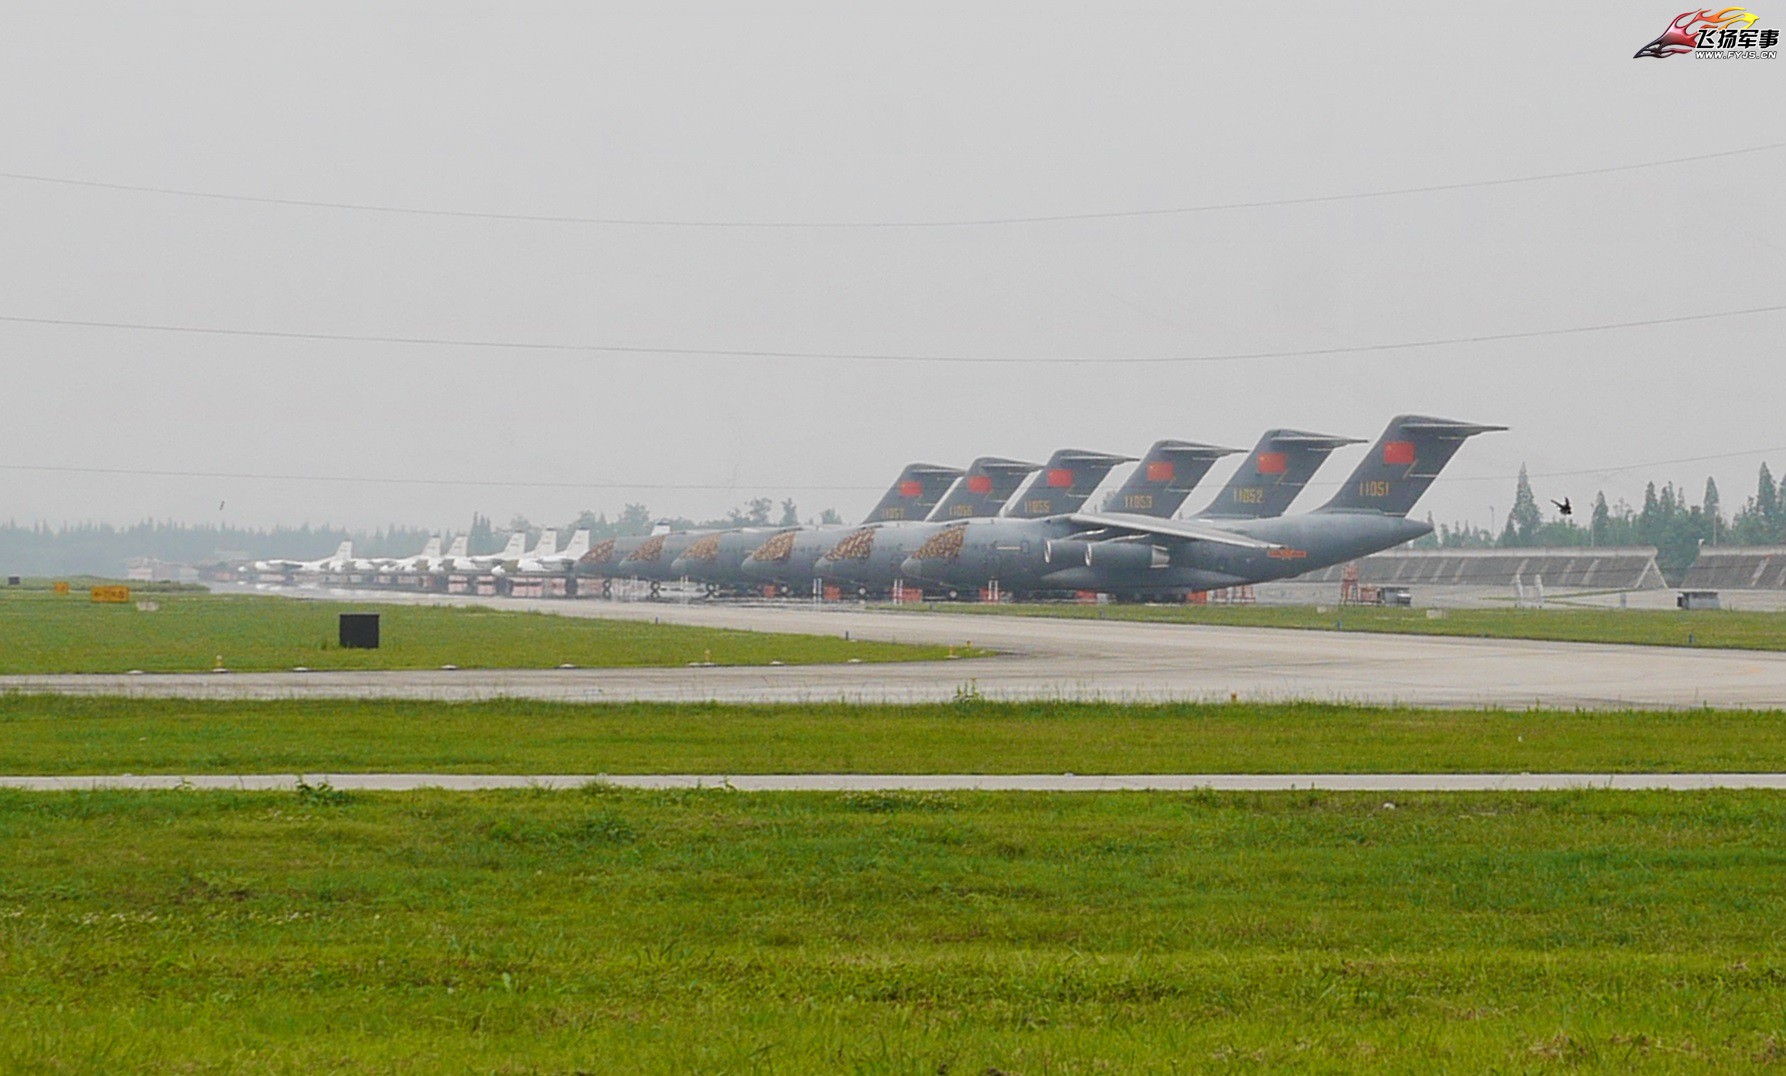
1181,529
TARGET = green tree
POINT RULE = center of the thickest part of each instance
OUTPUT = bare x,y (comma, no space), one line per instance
1600,521
790,515
633,521
482,536
1525,517
829,517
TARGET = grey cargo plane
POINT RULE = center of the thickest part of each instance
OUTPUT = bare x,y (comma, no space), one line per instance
1273,474
869,560
1117,552
665,555
789,560
717,559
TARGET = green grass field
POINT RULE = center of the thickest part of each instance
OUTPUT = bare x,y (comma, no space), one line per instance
63,735
606,931
190,632
1650,627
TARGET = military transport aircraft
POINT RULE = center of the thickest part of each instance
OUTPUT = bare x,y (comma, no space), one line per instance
868,561
788,560
1124,553
417,563
460,561
662,556
1274,473
341,561
554,559
717,560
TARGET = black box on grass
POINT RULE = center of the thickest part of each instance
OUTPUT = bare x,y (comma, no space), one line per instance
359,631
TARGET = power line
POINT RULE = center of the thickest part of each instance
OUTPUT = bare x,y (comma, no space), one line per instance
1049,218
136,472
738,353
1587,470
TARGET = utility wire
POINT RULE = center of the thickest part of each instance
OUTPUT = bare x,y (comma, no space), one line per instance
979,222
411,481
764,353
134,472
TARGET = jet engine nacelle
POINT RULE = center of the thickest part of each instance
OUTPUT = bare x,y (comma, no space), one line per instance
1065,553
1125,556
1112,556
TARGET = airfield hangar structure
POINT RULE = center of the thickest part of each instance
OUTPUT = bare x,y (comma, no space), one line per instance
1571,567
1737,567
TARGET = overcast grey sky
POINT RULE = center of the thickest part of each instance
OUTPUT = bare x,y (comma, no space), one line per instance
856,112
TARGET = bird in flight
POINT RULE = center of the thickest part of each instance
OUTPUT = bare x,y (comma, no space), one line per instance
1564,507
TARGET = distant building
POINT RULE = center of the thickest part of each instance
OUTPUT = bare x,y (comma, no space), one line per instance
151,570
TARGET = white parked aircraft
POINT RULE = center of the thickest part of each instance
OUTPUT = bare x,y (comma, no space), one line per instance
459,561
552,561
418,563
340,562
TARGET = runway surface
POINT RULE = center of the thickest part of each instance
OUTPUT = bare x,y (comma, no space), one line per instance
1348,782
1046,658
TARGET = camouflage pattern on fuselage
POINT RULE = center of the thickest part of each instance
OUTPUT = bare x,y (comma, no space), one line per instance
731,559
867,559
1059,554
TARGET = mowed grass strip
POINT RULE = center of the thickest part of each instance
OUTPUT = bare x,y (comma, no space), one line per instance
47,633
726,932
1721,629
52,734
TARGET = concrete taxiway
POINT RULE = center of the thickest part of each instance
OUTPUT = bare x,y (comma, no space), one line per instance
1046,658
884,782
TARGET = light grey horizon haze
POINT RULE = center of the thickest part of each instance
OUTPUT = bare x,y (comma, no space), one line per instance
838,112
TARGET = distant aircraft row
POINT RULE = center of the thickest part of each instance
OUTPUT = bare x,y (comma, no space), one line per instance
544,557
943,528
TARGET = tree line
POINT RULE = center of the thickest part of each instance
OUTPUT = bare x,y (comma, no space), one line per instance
105,549
1666,519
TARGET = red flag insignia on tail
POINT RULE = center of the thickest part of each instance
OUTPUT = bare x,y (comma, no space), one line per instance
979,483
1060,478
1400,452
1273,463
911,487
1160,471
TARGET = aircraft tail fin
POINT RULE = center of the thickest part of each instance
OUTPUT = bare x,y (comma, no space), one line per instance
579,544
431,548
548,546
1270,478
1166,476
459,546
983,490
919,488
344,551
1066,482
516,546
1402,464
